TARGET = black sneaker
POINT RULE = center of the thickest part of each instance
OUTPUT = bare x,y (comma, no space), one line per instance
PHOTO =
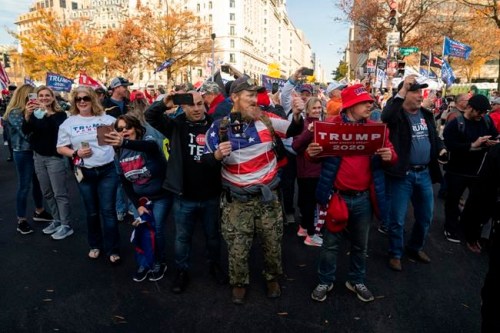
451,237
180,282
158,272
218,274
24,227
42,217
141,274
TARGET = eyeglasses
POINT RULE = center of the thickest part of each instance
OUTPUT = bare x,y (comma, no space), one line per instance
84,98
121,129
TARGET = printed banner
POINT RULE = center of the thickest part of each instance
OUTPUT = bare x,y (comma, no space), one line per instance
447,74
430,74
28,80
435,61
58,82
86,80
164,65
381,63
268,81
380,78
456,49
349,139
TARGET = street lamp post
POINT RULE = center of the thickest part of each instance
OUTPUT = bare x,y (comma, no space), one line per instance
105,70
213,56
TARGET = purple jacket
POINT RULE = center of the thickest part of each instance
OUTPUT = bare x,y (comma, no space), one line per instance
306,168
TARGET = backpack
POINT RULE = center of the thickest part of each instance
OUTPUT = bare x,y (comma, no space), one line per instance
461,122
160,139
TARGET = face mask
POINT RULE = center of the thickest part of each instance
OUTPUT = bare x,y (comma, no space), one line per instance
39,113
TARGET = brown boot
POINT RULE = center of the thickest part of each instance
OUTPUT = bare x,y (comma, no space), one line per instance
239,294
395,264
273,289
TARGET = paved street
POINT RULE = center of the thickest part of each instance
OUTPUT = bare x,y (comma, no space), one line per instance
51,286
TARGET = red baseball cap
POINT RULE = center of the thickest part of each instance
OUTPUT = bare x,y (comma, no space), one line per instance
355,94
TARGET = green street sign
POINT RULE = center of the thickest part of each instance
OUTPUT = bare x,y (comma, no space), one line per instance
408,50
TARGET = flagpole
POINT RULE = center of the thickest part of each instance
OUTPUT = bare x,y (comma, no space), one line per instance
429,64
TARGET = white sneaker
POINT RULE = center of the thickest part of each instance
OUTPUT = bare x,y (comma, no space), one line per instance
302,232
51,228
63,232
315,240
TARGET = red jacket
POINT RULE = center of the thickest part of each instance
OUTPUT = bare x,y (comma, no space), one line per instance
219,98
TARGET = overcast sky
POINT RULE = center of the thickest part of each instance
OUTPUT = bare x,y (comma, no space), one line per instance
315,18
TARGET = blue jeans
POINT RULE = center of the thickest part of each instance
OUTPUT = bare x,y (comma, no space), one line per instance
25,168
122,202
357,230
186,213
98,191
161,208
417,187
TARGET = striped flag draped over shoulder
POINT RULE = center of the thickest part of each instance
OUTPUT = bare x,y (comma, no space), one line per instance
252,160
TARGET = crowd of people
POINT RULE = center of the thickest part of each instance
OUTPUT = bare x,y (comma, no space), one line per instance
229,157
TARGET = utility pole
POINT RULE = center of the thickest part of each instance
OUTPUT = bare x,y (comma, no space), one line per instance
213,56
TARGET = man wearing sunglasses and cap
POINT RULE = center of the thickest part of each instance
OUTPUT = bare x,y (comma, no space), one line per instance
415,139
244,143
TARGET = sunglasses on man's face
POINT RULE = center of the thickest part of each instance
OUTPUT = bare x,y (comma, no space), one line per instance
84,98
122,128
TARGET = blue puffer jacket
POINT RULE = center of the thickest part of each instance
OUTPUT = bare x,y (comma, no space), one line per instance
329,169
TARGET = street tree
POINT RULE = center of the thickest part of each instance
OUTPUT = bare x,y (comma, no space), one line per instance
488,9
150,37
372,20
123,48
50,46
341,71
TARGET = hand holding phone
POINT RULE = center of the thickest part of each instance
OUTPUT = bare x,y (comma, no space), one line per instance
102,130
183,99
32,97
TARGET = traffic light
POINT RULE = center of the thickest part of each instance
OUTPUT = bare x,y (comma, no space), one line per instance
6,60
393,18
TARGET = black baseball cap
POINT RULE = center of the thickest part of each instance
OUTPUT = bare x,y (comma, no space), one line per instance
414,87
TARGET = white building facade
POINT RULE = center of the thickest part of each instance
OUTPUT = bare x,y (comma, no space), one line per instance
250,34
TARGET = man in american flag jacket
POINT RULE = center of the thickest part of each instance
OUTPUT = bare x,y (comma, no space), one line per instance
246,144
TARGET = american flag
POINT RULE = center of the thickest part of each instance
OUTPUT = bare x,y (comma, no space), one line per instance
252,160
4,78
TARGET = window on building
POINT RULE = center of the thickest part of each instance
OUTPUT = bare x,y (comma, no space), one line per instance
265,21
210,18
232,58
232,3
198,8
200,73
231,30
231,43
210,5
232,16
62,3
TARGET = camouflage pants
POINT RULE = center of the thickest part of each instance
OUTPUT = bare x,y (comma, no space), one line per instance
240,222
